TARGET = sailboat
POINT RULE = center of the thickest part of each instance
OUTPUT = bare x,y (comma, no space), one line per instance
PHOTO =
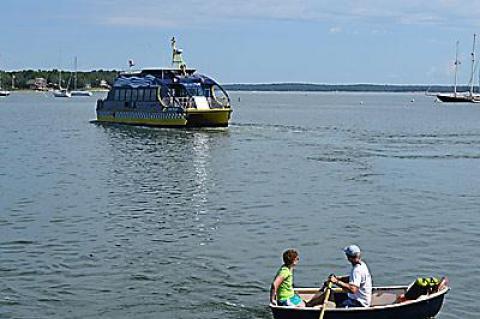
461,97
61,92
76,92
3,92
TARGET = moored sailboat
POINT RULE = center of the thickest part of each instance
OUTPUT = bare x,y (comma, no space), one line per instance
462,97
2,91
75,91
60,92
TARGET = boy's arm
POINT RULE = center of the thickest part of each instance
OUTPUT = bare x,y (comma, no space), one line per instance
274,287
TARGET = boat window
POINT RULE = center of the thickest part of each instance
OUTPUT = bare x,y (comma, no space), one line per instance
134,94
141,93
193,89
153,95
117,95
122,95
206,91
219,95
128,95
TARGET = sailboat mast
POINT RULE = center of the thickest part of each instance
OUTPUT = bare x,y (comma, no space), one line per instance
75,78
0,78
473,65
456,69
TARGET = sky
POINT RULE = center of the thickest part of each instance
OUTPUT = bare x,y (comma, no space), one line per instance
244,41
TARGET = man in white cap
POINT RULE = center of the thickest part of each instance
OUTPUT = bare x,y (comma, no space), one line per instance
358,284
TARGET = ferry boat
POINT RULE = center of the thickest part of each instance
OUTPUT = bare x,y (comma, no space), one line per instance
172,97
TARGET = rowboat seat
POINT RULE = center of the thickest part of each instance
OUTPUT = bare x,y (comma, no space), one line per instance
383,298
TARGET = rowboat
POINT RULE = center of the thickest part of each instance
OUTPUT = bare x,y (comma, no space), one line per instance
384,306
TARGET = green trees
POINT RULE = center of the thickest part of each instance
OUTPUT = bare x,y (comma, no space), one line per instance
91,79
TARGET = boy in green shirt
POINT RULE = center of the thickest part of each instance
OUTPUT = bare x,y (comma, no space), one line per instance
281,291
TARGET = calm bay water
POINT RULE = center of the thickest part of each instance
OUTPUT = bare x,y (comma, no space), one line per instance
100,221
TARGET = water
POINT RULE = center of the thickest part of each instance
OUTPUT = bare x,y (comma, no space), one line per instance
133,222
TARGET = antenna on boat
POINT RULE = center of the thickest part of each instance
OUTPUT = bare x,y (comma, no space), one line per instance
130,65
457,63
177,59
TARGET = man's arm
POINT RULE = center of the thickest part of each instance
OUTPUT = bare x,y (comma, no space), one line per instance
342,282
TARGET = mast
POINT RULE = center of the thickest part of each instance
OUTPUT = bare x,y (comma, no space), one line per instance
473,65
456,69
177,59
0,78
75,77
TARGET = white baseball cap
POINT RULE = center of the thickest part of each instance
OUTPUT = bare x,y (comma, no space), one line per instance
352,250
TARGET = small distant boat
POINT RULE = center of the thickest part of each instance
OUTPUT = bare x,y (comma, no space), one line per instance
3,92
461,97
62,93
76,92
80,93
384,306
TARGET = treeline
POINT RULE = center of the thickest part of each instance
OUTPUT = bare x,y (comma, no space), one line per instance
305,87
98,78
84,79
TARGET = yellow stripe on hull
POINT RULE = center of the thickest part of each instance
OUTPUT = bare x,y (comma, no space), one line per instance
144,121
209,117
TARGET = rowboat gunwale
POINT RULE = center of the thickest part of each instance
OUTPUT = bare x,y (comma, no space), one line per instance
366,309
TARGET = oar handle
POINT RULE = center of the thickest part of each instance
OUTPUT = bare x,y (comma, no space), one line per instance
327,296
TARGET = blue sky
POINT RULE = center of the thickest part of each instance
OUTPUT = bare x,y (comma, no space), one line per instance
259,41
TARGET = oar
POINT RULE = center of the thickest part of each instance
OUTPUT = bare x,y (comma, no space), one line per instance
327,296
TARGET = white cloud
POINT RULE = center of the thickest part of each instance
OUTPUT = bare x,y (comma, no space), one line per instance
187,13
335,30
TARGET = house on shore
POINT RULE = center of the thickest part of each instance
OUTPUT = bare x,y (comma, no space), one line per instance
38,84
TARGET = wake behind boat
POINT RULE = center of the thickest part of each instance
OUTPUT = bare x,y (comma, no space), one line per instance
384,306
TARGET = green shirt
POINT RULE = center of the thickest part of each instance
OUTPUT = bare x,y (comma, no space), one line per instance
285,290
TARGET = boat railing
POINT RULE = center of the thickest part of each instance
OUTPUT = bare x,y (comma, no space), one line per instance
180,102
186,102
218,103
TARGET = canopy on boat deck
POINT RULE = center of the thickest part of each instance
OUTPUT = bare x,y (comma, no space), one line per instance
149,80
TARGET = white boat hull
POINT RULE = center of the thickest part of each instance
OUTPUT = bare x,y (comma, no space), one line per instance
81,93
61,93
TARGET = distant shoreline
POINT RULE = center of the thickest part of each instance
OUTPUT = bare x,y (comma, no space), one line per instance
305,87
99,78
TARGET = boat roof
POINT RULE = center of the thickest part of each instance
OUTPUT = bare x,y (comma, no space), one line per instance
160,72
160,77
